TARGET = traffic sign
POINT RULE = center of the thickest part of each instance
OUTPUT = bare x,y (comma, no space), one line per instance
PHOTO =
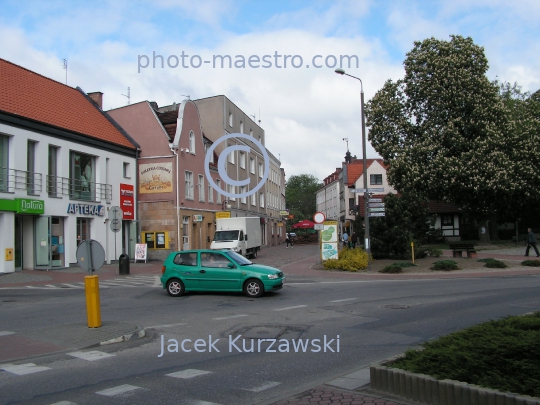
116,213
381,209
370,200
319,227
375,214
358,190
116,225
375,190
370,204
319,218
90,255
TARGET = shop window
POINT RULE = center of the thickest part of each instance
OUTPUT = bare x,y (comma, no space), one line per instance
156,239
82,175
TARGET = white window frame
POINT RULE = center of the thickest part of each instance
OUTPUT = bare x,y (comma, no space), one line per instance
261,170
230,158
231,190
241,127
261,200
243,189
210,193
231,119
254,199
189,184
252,165
201,188
192,142
242,160
218,183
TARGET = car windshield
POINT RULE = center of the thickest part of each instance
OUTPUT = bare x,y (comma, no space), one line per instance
241,260
222,236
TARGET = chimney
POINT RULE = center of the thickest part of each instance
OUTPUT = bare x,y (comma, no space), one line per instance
97,97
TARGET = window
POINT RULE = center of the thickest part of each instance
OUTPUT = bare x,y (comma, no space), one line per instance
231,190
156,240
210,193
230,119
53,171
252,165
242,159
243,190
231,157
254,199
201,187
375,179
218,183
126,170
185,259
261,200
189,185
4,162
192,143
206,151
447,220
31,167
261,170
250,132
82,175
241,127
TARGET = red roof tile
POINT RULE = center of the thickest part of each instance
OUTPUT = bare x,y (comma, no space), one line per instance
30,95
356,168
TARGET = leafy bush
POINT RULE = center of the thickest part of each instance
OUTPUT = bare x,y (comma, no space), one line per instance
392,269
532,263
502,354
445,265
495,264
403,264
485,260
348,259
434,252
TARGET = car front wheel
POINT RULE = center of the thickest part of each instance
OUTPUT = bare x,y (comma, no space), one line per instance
175,287
253,288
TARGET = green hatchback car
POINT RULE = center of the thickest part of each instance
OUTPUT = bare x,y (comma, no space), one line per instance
217,270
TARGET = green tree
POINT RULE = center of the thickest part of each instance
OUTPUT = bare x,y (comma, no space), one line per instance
443,129
407,219
300,198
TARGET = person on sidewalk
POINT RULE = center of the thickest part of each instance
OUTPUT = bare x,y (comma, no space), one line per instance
354,239
288,240
531,241
345,239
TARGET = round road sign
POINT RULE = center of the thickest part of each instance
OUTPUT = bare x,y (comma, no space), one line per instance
319,218
90,255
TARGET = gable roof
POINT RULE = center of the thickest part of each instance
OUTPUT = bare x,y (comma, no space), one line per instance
356,168
29,95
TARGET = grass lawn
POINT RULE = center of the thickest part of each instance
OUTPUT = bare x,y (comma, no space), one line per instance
502,355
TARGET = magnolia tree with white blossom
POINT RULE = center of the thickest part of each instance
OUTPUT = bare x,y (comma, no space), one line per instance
447,134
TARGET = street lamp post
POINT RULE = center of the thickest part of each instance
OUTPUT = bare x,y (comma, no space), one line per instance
366,217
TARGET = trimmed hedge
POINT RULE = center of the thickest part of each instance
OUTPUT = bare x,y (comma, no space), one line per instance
392,269
445,265
349,260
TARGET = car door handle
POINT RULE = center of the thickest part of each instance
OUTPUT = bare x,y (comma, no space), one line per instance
202,271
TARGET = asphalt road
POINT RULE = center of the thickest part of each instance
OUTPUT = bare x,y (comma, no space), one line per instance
373,319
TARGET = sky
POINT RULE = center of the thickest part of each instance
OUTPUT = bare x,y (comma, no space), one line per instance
305,108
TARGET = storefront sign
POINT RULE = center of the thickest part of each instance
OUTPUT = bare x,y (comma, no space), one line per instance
197,218
223,214
155,178
86,209
127,201
27,206
329,240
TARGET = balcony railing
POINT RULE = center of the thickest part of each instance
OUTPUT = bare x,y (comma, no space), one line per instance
78,189
11,180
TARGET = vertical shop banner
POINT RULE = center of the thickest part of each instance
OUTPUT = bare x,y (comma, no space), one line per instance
329,240
155,178
127,201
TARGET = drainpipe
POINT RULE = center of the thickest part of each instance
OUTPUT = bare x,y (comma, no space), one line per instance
178,216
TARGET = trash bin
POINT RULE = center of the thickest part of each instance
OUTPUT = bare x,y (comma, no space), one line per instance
123,264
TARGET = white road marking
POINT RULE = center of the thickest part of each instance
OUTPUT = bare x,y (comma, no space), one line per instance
167,325
265,386
73,286
157,282
51,286
91,355
203,403
6,333
345,299
22,369
287,308
228,317
118,390
64,403
188,373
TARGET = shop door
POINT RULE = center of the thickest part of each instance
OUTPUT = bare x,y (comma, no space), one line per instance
18,243
83,230
42,245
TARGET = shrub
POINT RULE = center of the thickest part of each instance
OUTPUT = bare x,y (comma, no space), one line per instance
532,263
495,264
403,264
435,252
392,269
445,265
349,260
485,260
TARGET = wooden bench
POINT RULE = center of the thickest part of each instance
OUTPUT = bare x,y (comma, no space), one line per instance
458,249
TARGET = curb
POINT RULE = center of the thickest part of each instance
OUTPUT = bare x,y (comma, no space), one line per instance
124,338
424,389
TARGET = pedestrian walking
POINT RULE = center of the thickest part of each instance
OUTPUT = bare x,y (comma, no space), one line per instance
354,239
345,239
288,240
531,241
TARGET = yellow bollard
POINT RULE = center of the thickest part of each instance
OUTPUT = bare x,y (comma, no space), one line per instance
93,311
412,249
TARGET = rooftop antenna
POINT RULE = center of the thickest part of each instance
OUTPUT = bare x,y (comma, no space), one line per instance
65,66
259,116
254,118
347,140
128,96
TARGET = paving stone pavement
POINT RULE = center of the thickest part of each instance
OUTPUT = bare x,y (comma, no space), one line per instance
323,395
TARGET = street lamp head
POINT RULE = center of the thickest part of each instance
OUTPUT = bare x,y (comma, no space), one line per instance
339,71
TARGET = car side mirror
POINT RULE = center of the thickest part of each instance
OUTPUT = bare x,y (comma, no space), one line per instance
230,266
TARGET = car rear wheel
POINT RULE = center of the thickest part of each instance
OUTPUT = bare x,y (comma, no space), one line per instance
175,287
253,288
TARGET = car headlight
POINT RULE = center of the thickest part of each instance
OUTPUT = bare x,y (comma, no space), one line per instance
272,276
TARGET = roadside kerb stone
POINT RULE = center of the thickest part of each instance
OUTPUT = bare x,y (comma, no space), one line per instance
424,389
